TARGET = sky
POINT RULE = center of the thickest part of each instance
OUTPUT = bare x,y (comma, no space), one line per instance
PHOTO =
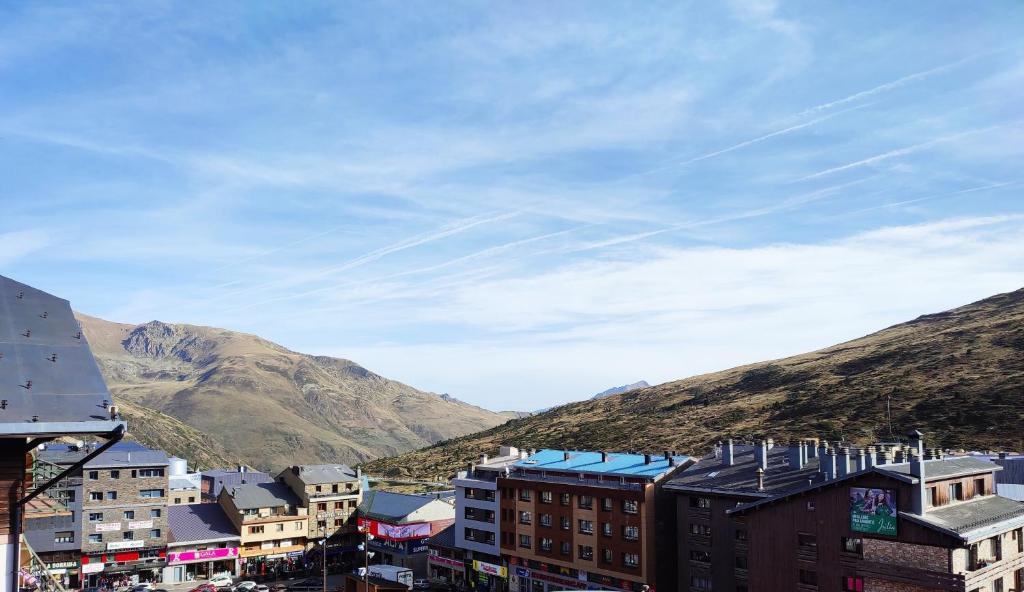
520,204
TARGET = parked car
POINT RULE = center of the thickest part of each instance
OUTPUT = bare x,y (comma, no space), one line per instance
220,581
204,587
143,587
261,588
310,585
421,584
246,586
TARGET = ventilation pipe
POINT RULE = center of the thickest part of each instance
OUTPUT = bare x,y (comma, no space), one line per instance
804,453
761,454
862,460
604,456
917,470
812,448
843,462
830,464
795,453
727,453
647,459
566,455
760,479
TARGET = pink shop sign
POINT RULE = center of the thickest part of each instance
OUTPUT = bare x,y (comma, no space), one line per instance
205,555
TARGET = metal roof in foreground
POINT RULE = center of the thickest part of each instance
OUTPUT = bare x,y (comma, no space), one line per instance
49,382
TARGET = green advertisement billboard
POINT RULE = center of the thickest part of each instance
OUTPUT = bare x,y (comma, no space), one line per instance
873,510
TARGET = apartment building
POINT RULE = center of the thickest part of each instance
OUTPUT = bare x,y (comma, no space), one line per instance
184,486
55,534
571,519
927,523
203,543
401,523
272,525
445,560
211,482
703,547
50,387
331,494
477,528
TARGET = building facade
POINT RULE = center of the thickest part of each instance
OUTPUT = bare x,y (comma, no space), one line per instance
184,486
272,525
203,543
400,525
211,482
446,562
331,494
582,519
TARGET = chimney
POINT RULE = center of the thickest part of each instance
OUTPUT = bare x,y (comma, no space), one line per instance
843,462
672,461
727,453
359,472
761,454
830,465
668,455
771,443
803,453
241,468
647,459
604,456
822,449
917,470
566,455
760,479
1002,456
483,459
812,449
795,454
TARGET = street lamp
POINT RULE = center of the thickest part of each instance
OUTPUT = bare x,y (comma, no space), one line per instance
365,548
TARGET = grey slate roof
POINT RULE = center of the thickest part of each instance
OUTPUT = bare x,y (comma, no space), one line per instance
445,538
179,483
971,515
945,468
221,478
393,507
35,327
121,455
199,522
262,495
320,474
1013,470
710,474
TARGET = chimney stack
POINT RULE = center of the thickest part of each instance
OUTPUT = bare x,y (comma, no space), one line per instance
917,470
668,455
843,462
830,464
804,453
483,459
647,459
862,460
604,456
760,479
566,455
771,443
761,454
1002,456
727,453
812,449
795,453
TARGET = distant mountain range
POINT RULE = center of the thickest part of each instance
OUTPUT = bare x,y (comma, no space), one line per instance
957,375
218,397
618,390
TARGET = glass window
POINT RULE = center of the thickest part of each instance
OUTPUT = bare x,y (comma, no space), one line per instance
808,577
155,533
956,491
129,514
700,502
128,535
151,493
95,538
546,544
807,540
279,527
700,529
606,555
630,559
525,518
700,555
96,496
115,474
94,475
545,519
111,495
566,524
63,536
586,526
631,533
524,541
741,562
741,535
700,582
585,502
979,487
853,545
853,584
606,504
564,499
630,506
565,547
546,497
154,513
95,516
606,529
151,472
586,552
525,494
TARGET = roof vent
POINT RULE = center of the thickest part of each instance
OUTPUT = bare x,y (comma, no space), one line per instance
566,455
647,459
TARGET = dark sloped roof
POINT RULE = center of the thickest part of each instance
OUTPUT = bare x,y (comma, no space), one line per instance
1013,470
946,468
120,455
971,515
262,495
319,474
711,474
391,506
445,538
199,522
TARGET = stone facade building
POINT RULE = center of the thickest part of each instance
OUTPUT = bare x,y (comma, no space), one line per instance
272,525
331,494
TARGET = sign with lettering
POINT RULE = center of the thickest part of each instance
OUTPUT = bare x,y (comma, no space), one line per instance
873,510
445,561
490,569
118,545
395,532
135,524
89,568
108,526
204,555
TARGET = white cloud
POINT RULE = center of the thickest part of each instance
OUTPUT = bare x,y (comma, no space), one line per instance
20,243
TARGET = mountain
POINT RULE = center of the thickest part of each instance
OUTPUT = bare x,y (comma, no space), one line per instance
618,390
957,375
216,396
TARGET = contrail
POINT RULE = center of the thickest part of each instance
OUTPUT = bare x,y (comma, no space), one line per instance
905,202
272,251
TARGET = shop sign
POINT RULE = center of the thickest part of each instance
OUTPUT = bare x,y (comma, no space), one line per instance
438,560
137,524
204,555
89,568
118,545
405,547
395,532
873,510
545,577
490,569
108,526
296,554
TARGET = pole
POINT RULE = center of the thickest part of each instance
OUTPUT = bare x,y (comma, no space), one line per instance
366,558
325,562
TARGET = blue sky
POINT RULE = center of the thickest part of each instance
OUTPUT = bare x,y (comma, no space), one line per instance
520,203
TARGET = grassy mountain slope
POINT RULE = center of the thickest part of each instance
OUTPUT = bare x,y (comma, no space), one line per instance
958,375
241,397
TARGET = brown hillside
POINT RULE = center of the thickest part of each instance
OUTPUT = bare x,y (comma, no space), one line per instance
958,375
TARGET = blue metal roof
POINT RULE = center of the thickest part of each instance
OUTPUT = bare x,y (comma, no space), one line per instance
618,463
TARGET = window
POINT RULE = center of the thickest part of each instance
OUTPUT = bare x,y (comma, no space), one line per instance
606,556
148,493
703,503
700,582
853,584
566,548
997,585
546,497
154,513
807,541
128,535
701,556
546,544
630,559
586,526
151,472
191,499
808,577
63,536
321,507
700,529
279,527
631,533
129,514
741,562
956,491
134,473
524,541
741,534
177,500
96,496
566,525
334,488
298,526
606,529
95,516
932,497
586,552
115,474
853,545
525,494
564,499
525,518
94,475
111,495
630,506
545,520
607,504
585,502
812,506
95,538
155,533
319,488
339,505
338,522
258,529
979,487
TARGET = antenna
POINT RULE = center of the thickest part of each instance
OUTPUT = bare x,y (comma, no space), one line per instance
888,413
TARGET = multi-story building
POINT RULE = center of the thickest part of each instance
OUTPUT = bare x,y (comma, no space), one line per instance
331,494
213,481
703,548
50,387
928,523
56,535
445,560
272,525
203,543
477,505
401,523
574,519
184,486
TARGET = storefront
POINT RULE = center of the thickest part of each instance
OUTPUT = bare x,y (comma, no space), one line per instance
485,576
126,567
411,554
535,576
446,570
200,564
274,566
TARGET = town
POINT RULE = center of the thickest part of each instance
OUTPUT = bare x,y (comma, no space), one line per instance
88,509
